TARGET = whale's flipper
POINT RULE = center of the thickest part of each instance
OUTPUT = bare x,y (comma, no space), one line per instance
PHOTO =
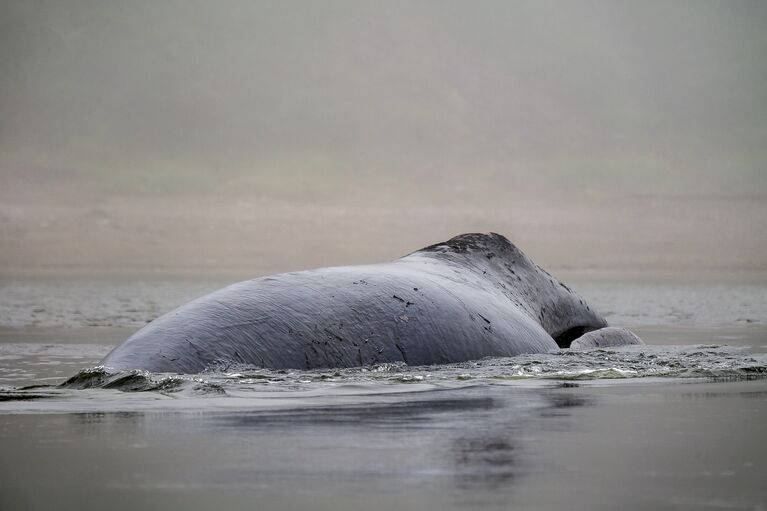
604,337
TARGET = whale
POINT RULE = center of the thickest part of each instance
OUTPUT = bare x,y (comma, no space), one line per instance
473,296
606,337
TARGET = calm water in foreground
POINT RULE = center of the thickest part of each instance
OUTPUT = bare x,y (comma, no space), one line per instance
678,424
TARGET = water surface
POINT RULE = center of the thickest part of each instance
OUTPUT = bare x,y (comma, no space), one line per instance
676,424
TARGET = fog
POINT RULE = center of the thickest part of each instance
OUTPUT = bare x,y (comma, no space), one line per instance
269,136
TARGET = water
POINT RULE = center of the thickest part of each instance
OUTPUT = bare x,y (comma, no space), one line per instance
676,424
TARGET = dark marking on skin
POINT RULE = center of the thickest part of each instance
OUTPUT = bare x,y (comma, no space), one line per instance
196,349
335,336
402,351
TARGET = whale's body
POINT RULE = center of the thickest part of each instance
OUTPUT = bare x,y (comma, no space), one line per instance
473,296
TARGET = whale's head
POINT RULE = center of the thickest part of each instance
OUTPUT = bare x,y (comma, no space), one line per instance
563,313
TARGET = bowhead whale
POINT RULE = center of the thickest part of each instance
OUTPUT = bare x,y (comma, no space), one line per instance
473,296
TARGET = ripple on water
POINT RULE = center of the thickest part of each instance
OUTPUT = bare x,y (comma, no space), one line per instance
98,387
596,364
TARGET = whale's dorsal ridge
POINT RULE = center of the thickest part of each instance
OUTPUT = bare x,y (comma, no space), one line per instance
490,244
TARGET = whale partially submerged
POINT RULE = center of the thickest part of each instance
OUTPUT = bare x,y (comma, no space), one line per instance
473,296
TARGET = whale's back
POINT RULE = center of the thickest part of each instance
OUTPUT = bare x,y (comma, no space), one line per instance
474,296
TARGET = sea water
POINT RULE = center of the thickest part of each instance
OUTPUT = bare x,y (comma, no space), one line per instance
676,424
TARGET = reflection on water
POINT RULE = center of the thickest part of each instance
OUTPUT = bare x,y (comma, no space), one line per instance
105,424
485,461
392,415
446,445
480,446
560,403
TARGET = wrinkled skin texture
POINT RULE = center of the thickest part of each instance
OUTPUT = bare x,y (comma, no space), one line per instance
473,296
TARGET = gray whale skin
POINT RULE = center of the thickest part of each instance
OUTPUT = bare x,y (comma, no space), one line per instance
473,296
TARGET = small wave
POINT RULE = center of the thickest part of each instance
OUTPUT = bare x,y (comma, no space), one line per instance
23,395
139,381
711,362
633,362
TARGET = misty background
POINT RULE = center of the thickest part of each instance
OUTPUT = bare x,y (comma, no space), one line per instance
273,136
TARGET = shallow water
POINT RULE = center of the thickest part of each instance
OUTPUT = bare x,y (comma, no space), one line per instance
678,423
